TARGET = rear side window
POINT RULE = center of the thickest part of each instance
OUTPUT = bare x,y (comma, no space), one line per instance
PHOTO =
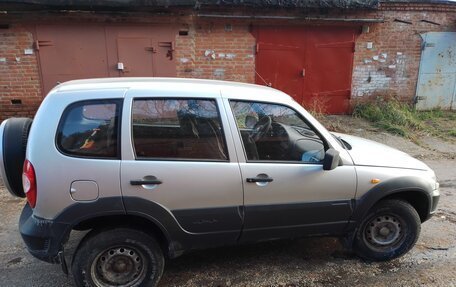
90,129
176,128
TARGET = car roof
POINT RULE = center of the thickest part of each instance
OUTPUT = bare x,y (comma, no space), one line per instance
133,82
159,83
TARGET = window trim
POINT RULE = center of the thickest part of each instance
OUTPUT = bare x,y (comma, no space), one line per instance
119,107
325,143
219,114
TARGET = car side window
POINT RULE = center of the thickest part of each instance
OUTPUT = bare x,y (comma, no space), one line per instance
273,132
90,129
174,128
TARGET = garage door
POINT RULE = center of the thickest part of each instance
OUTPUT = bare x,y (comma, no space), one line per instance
437,77
311,64
69,52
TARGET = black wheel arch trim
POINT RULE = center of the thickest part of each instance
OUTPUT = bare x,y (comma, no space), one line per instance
55,233
78,213
45,238
389,188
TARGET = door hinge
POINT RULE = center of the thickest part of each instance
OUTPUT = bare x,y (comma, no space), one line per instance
42,43
152,49
427,45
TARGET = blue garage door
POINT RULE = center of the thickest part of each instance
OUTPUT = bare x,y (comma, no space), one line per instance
437,76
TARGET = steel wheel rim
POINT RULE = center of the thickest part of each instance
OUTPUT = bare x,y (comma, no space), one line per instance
384,232
119,266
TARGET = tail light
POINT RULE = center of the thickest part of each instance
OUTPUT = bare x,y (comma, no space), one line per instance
29,183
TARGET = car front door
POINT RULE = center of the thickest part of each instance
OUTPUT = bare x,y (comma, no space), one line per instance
286,191
177,167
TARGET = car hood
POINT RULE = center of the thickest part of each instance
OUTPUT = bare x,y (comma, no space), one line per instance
371,153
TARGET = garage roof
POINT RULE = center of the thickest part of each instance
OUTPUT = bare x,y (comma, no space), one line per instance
132,4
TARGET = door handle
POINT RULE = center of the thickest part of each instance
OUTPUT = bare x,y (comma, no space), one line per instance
259,179
145,181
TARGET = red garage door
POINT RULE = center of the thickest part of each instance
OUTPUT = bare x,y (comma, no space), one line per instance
311,64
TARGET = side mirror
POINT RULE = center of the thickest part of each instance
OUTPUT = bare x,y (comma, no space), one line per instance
331,160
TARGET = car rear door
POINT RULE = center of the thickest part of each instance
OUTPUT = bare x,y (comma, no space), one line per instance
178,166
286,191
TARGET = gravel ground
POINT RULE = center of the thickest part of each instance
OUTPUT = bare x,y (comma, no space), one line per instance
304,262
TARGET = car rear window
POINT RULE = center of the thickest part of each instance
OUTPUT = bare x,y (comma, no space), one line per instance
174,128
90,129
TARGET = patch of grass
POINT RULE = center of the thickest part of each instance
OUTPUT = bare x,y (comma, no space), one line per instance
393,116
430,115
402,119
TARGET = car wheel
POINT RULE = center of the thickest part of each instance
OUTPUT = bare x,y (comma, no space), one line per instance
390,229
14,144
118,257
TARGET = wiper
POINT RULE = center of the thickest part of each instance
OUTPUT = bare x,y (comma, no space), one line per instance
340,141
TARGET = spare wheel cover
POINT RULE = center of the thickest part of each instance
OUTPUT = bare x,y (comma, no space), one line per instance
14,144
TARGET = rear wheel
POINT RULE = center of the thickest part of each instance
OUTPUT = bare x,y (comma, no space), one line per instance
390,230
118,257
13,147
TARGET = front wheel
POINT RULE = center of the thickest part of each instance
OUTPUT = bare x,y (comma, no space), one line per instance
390,229
118,257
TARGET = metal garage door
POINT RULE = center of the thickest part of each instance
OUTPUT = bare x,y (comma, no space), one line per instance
437,76
311,64
69,52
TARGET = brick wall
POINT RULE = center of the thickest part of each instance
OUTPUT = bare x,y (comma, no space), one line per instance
220,51
19,76
390,66
225,49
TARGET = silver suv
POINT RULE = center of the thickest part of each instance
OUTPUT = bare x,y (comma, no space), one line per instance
158,167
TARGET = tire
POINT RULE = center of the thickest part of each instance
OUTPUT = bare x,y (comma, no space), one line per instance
390,229
14,145
118,257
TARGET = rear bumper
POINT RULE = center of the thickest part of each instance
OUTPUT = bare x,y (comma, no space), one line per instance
43,238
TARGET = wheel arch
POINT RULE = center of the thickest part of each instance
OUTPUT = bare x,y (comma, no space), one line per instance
416,191
419,201
110,212
130,221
